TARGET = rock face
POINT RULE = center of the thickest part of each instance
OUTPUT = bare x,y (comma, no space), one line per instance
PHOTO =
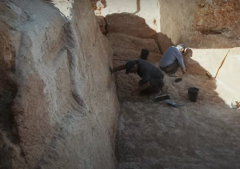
129,24
218,17
132,43
58,106
198,23
201,23
102,23
148,10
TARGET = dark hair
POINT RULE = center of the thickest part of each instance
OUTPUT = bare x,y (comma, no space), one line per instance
182,45
129,65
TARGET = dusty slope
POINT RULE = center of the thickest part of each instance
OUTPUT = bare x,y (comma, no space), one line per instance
202,135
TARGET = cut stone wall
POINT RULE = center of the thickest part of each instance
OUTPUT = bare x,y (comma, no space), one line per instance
201,23
176,18
129,24
59,106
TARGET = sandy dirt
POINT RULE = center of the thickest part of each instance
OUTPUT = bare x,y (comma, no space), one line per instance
201,135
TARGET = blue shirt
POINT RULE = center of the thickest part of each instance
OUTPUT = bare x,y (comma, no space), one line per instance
171,55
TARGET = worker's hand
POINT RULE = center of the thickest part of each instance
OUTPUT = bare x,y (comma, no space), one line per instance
184,71
135,93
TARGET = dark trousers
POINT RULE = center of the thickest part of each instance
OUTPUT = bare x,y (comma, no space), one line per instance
156,84
171,69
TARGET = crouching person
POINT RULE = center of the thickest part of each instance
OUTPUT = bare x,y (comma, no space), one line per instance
151,77
173,59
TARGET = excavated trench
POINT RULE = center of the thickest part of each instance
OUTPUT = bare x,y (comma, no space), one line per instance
60,107
154,135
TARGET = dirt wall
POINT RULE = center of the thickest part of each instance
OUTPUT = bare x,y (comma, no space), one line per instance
201,23
148,10
58,106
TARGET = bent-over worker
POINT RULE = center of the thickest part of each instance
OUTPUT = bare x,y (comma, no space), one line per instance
152,77
172,59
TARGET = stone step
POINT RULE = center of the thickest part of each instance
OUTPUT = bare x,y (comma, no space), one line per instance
130,42
129,24
127,47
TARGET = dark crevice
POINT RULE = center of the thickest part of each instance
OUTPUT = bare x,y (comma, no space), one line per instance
210,32
106,26
214,32
7,124
69,44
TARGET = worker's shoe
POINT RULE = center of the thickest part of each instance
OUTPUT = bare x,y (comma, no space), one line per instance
162,97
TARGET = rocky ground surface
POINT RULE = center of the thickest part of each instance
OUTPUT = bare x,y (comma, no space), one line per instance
154,135
201,135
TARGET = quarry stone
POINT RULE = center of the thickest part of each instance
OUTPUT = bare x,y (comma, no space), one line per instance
129,24
102,23
59,106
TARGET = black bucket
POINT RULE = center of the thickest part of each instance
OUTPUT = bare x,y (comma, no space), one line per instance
193,94
144,54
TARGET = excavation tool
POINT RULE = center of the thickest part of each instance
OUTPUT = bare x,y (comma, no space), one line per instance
161,97
172,103
221,65
179,79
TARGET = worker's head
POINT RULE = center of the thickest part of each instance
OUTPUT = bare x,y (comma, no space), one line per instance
182,48
131,67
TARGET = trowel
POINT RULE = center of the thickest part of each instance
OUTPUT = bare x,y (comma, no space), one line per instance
179,79
172,103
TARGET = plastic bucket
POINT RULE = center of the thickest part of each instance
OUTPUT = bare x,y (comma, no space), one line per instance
193,94
144,54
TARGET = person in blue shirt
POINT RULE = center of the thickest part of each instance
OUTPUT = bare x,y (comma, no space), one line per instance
172,59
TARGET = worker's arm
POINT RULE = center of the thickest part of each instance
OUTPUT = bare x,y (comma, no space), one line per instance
181,63
141,88
117,68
